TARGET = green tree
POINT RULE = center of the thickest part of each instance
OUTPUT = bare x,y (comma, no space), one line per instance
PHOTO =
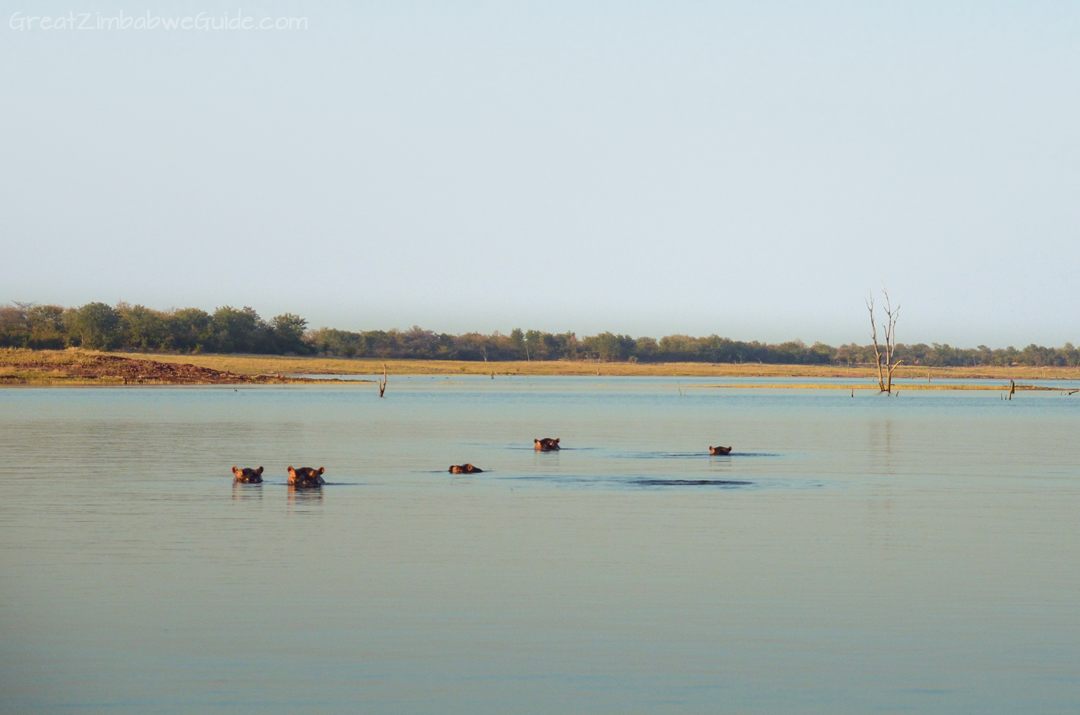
539,344
288,330
517,342
46,323
144,329
645,349
97,326
240,331
14,331
191,329
610,347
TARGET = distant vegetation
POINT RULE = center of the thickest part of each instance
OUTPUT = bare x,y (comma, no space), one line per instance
99,326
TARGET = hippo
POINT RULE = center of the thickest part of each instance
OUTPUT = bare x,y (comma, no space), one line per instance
719,451
547,444
247,476
464,469
306,477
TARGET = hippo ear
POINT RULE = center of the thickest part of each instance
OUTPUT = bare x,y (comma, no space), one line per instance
235,470
291,470
259,471
321,470
557,440
536,441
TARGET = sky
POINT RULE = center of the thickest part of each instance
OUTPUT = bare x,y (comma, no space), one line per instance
749,169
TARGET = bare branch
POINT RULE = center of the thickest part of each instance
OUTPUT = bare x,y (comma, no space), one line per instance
873,335
889,328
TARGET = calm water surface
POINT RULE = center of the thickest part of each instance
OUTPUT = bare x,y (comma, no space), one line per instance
916,554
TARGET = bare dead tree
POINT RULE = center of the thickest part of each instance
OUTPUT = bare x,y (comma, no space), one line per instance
382,381
883,354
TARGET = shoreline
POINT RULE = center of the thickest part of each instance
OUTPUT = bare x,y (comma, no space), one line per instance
86,368
305,365
77,368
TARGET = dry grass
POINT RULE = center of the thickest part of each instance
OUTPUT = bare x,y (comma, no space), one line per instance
995,386
269,364
78,367
11,357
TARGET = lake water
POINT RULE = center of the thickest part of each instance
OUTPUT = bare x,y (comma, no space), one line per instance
918,554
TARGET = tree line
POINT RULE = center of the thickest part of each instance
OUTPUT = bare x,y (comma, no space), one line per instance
99,326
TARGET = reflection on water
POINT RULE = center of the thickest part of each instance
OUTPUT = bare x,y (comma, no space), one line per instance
688,483
301,496
851,555
242,491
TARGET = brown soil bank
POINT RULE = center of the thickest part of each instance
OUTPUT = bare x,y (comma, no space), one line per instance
76,367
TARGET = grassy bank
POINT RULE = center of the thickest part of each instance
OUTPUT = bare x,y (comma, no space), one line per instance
272,364
79,367
991,385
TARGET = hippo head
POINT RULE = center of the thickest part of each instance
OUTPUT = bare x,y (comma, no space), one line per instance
306,476
248,476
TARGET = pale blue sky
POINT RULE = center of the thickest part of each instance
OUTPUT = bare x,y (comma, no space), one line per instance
748,169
